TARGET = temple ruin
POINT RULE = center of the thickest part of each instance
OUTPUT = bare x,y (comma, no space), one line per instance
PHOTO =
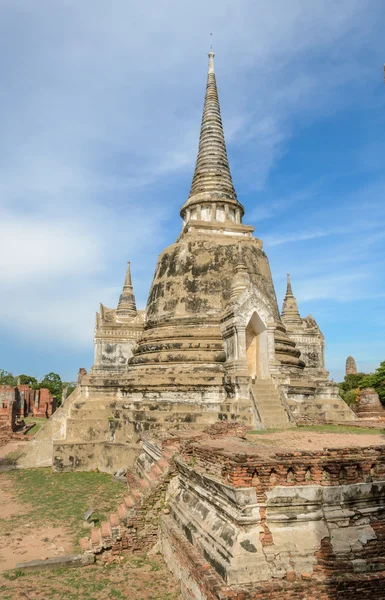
210,346
172,394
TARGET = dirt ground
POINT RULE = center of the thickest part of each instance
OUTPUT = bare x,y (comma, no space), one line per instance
31,531
312,440
20,540
11,446
132,577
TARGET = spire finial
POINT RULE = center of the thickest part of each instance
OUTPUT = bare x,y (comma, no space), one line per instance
128,280
289,291
211,55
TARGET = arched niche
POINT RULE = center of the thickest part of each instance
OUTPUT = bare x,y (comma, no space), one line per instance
257,354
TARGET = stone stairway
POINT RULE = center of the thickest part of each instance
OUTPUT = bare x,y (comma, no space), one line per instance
268,405
118,421
103,432
134,524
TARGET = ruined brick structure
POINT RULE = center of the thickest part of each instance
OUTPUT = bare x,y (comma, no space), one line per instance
27,401
211,345
242,521
368,405
351,367
8,409
245,524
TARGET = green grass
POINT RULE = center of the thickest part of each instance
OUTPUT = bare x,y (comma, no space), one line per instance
324,429
264,431
63,498
128,577
342,429
39,422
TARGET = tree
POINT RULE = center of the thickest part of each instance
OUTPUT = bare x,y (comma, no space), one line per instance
27,380
351,396
7,378
351,382
53,382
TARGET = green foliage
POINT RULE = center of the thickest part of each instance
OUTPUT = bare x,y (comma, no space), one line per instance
28,380
7,378
350,397
351,382
364,380
324,429
53,382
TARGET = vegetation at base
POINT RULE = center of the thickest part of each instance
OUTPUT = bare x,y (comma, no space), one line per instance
324,429
264,431
128,576
63,498
350,387
39,422
341,429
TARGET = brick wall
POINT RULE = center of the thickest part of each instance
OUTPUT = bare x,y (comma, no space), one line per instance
326,468
199,581
28,401
142,527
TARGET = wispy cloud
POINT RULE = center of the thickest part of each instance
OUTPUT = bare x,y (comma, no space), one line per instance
100,113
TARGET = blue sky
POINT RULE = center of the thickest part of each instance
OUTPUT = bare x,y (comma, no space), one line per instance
100,108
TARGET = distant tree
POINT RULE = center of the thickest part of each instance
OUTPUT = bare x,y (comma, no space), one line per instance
28,380
351,382
53,382
7,378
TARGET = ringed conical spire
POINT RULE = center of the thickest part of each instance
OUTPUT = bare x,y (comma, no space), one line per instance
127,305
212,181
290,312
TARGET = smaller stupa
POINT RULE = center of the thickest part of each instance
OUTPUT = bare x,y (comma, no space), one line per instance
351,367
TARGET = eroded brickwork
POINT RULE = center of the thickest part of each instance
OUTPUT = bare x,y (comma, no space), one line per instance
249,522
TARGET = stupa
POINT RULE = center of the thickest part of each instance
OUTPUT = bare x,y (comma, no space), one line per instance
350,367
211,344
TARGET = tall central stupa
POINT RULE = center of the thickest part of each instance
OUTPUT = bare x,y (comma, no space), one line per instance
187,332
211,344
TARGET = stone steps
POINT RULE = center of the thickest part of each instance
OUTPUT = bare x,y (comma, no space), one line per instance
92,412
111,531
269,406
119,430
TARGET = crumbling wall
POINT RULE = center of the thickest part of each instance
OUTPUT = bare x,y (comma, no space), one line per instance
369,405
260,521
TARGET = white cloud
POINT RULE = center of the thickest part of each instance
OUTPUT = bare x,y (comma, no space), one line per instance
100,110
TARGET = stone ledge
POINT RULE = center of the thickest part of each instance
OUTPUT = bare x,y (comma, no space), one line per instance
57,562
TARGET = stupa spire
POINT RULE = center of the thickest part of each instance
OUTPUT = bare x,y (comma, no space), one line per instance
289,291
290,312
127,305
212,183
